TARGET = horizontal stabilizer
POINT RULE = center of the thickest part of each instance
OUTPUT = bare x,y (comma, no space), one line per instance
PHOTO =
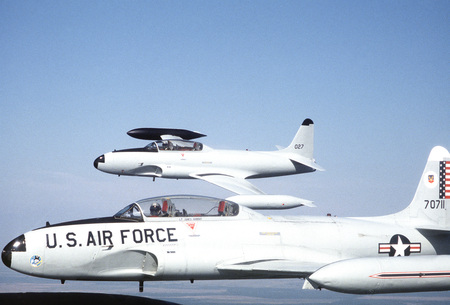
163,133
430,230
304,161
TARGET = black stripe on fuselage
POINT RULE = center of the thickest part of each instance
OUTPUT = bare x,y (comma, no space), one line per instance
89,221
143,149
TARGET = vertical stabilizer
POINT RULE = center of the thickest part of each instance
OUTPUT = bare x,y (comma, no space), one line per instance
430,207
303,142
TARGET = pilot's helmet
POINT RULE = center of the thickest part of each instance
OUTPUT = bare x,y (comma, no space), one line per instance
155,209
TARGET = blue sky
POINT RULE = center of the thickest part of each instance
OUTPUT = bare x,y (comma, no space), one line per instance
75,76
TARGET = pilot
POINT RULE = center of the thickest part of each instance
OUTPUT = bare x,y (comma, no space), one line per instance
155,209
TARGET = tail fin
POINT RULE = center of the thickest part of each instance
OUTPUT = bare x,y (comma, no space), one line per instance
303,142
430,207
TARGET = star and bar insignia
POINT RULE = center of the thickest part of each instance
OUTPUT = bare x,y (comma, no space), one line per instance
399,245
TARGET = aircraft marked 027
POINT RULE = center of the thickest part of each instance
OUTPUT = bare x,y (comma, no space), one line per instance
173,156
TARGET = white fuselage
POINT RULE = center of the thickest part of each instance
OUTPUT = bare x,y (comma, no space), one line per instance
181,248
183,165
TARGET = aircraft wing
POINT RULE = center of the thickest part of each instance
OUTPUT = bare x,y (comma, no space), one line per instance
271,266
234,184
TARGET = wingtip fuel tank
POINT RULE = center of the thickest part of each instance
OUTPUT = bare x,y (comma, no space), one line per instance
385,274
158,133
270,202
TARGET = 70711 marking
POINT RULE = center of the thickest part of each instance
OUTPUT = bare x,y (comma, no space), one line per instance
435,204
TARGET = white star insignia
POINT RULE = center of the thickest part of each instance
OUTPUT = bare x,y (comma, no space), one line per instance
400,247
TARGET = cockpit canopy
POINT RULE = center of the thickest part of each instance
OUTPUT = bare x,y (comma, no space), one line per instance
177,145
178,206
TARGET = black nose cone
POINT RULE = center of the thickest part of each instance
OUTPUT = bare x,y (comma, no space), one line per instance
16,245
6,257
100,159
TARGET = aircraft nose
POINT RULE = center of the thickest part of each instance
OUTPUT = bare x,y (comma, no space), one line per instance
16,245
100,159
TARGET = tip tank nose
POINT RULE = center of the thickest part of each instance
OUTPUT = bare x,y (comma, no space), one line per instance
100,159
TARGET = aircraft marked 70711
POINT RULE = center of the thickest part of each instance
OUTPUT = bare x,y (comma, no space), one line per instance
201,238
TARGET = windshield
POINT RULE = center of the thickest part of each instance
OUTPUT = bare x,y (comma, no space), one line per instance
130,212
177,145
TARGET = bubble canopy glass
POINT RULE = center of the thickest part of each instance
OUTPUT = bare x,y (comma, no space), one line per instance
178,206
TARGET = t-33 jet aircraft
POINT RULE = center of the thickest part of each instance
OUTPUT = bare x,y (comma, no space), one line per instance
199,238
173,155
